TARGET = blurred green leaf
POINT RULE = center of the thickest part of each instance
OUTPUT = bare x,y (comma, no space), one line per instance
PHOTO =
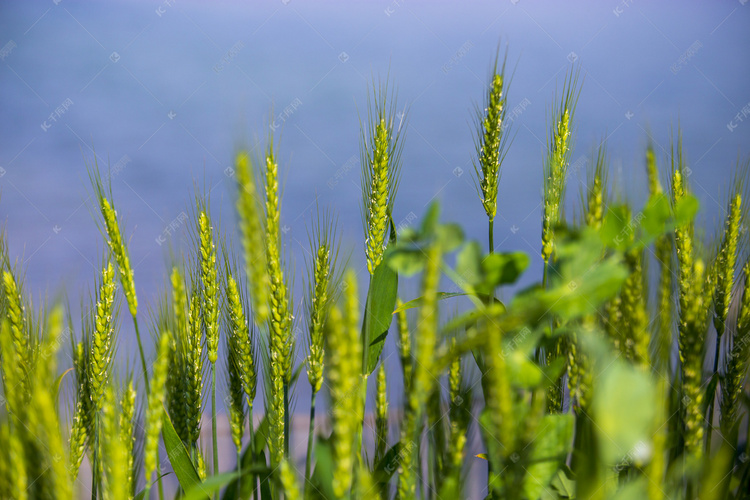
418,301
624,411
550,448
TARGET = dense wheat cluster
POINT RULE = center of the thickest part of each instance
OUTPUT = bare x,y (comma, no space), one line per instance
620,375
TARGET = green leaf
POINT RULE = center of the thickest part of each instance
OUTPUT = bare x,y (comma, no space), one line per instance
563,485
501,269
323,474
418,301
142,493
624,411
469,263
389,464
616,231
449,236
178,456
211,485
381,301
551,446
685,210
405,260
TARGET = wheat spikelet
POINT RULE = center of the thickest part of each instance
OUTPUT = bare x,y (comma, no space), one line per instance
248,208
119,249
725,263
289,483
490,139
380,160
210,291
345,368
16,482
155,408
404,344
736,360
127,434
556,164
240,341
194,370
317,311
381,413
115,452
100,356
177,379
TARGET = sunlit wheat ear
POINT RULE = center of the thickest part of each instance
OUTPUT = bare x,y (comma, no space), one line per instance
736,360
17,320
210,291
155,408
343,349
404,343
491,138
280,319
634,312
115,240
102,336
458,423
380,159
683,235
279,322
557,161
236,396
127,433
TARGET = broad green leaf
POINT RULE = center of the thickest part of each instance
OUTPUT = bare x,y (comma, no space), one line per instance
449,236
404,260
563,485
552,444
656,215
685,210
469,263
501,269
388,465
323,473
381,300
616,231
142,493
178,456
624,411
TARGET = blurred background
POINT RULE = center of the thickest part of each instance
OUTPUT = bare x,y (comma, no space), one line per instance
164,92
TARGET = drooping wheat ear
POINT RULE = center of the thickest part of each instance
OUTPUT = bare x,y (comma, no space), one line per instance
240,341
490,138
557,161
114,449
726,261
210,292
16,315
692,347
422,377
634,314
404,343
736,360
120,252
155,408
380,159
289,483
102,345
381,413
345,367
127,433
194,370
251,227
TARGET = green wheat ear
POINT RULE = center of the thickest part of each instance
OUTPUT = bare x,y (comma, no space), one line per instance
322,280
16,313
557,161
102,336
115,451
491,138
155,408
736,360
127,433
380,158
345,368
209,281
381,413
115,240
251,227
